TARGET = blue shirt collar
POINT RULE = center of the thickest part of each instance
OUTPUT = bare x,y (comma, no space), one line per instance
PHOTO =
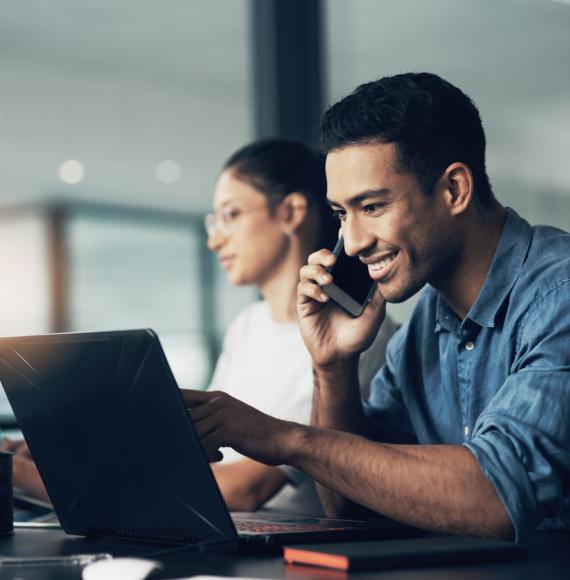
503,273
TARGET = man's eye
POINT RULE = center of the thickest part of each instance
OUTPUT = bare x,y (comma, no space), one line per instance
372,208
339,215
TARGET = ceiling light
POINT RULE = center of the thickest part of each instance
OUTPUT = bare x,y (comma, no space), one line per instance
71,171
168,171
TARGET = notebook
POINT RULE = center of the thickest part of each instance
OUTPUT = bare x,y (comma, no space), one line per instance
118,453
398,553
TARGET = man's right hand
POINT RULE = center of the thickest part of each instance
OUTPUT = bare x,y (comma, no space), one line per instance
223,421
330,334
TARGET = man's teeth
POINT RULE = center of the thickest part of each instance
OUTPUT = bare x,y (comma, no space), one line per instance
382,263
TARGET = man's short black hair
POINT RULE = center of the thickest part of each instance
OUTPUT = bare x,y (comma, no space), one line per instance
431,122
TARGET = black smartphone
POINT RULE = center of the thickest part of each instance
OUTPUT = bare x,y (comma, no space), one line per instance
352,287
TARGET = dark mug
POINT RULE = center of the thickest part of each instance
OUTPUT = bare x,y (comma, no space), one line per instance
6,507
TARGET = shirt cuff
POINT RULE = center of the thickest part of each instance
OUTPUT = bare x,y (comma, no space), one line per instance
503,468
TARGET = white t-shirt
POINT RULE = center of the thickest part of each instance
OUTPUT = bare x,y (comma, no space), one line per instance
265,364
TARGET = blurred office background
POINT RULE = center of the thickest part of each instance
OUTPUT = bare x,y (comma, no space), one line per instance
115,118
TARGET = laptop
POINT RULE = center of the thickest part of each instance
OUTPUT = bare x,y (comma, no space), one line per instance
118,453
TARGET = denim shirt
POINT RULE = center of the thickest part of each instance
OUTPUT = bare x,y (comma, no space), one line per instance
497,382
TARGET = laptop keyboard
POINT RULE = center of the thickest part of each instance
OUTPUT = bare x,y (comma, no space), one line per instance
253,526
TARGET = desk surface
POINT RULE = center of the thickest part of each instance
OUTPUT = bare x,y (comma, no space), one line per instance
549,559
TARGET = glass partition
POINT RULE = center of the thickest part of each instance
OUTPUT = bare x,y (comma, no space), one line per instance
125,273
126,104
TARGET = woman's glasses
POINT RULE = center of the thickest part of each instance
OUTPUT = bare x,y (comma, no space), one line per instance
224,220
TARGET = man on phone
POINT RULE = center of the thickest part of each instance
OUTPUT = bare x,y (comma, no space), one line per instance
467,429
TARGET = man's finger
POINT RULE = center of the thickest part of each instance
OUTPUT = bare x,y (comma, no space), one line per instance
211,443
307,290
201,412
315,274
205,426
324,258
196,398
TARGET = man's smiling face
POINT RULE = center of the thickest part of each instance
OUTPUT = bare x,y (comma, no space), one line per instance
403,235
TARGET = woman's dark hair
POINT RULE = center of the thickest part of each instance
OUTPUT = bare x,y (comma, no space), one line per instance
278,167
431,122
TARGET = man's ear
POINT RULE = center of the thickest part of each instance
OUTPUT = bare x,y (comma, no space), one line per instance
458,187
293,212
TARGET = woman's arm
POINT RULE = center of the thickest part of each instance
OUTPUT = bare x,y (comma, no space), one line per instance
247,484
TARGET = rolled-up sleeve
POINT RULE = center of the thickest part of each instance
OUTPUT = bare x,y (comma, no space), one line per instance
522,438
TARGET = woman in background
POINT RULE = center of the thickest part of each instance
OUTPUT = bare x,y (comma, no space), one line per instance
270,213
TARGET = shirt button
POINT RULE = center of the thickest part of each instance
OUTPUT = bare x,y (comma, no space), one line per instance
466,431
469,346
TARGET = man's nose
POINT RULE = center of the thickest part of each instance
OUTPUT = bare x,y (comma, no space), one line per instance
356,238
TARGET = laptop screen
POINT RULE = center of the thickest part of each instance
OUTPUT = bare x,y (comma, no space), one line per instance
111,437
